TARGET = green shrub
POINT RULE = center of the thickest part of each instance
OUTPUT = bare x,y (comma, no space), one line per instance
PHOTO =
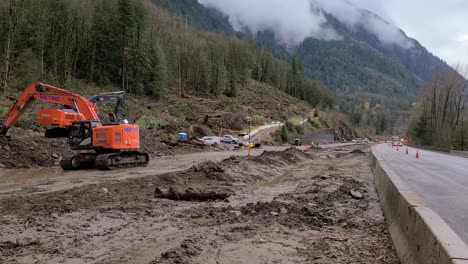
178,107
299,129
289,126
324,122
316,112
314,124
151,122
231,104
284,134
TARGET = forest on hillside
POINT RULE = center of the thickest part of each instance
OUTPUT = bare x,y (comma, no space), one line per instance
440,118
136,46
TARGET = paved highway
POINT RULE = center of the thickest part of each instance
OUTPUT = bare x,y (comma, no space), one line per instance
440,179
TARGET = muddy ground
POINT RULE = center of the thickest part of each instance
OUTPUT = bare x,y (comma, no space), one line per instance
280,207
29,149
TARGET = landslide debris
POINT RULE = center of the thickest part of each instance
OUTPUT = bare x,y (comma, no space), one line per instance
29,149
283,207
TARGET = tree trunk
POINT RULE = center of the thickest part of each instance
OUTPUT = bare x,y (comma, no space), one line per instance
11,30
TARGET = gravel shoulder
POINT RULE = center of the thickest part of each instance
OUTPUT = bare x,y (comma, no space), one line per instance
317,206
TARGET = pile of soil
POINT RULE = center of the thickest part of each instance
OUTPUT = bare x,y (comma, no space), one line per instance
287,157
29,149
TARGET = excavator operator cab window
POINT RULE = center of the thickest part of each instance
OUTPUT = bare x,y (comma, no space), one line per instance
81,134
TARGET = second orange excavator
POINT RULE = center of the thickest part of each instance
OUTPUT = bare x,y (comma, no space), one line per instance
105,146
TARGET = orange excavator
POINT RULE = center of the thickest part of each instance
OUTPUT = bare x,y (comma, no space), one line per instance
105,146
58,121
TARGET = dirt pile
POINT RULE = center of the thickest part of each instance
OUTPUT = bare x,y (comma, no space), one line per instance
287,157
188,249
29,149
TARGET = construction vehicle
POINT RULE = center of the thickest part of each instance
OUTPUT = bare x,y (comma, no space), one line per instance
105,146
58,121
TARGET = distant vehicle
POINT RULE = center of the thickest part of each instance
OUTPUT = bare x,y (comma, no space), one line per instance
229,139
209,140
396,142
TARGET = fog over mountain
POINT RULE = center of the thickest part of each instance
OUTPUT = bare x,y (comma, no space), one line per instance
295,20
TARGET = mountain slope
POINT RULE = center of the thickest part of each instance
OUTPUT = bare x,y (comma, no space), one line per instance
375,82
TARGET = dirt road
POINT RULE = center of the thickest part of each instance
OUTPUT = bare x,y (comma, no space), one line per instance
282,207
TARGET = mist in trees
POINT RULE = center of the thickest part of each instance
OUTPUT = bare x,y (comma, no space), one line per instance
439,118
135,46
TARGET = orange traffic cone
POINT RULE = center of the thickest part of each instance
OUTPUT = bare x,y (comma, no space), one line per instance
406,151
417,154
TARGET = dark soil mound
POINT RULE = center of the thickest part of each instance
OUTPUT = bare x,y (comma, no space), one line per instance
28,149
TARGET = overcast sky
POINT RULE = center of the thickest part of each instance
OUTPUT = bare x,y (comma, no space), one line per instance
439,25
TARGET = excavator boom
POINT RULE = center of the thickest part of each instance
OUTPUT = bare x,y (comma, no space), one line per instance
48,93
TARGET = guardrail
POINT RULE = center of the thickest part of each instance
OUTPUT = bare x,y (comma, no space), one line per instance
419,234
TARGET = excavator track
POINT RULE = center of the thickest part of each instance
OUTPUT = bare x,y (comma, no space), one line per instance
124,159
78,161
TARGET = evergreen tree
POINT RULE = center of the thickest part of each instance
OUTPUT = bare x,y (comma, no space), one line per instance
284,134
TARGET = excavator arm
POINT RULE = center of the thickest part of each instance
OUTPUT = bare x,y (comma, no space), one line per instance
48,93
118,97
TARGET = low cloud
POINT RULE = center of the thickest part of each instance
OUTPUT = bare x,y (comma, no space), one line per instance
354,16
295,20
291,21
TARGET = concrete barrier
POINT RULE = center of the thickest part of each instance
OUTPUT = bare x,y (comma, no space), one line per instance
420,236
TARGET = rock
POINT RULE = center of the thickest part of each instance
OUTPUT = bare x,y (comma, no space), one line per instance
331,156
324,177
68,202
236,213
104,190
54,155
356,195
311,204
26,241
6,148
54,215
358,151
2,166
85,225
283,210
274,213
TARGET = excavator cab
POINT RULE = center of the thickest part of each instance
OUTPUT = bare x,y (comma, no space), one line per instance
81,133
